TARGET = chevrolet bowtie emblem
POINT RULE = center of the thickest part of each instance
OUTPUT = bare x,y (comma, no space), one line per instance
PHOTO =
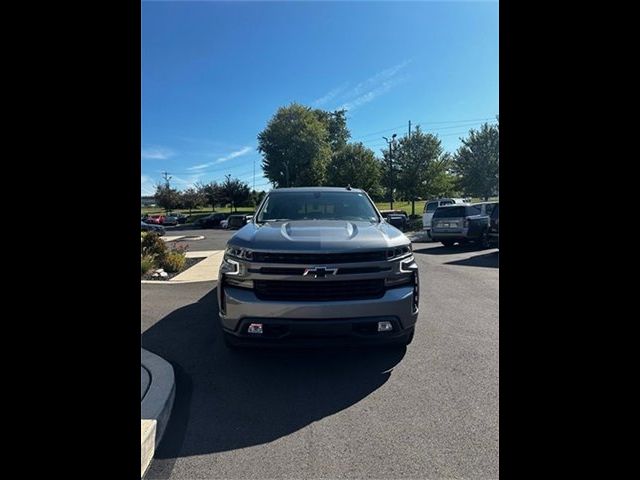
320,272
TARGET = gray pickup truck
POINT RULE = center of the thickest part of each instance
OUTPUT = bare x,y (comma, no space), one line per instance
318,265
460,223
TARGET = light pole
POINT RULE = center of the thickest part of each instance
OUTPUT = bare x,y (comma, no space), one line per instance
391,182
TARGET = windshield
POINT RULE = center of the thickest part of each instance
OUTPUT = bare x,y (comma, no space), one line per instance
281,206
450,212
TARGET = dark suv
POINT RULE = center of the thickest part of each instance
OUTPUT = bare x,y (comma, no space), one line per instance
211,221
459,223
318,264
494,226
238,220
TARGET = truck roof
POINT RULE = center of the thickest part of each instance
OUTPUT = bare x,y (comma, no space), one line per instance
316,189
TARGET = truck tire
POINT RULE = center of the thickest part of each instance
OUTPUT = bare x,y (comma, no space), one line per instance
484,240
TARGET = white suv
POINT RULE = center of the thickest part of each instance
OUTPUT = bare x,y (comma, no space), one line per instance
431,206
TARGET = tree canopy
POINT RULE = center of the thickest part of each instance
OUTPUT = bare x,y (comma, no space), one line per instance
355,165
298,144
477,162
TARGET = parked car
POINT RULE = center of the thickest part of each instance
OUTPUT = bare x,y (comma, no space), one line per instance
494,226
148,227
238,221
210,221
459,223
170,219
485,207
155,219
180,217
397,218
318,265
430,208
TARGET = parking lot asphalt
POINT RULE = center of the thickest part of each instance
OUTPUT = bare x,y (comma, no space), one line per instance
426,411
214,238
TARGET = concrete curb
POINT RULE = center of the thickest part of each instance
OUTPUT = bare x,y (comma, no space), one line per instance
155,406
172,238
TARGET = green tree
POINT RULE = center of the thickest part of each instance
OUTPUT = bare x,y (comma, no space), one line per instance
166,197
256,197
477,162
355,165
423,169
212,194
192,198
298,143
235,191
336,124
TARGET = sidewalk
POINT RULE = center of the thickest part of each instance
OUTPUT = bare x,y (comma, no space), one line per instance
204,271
157,393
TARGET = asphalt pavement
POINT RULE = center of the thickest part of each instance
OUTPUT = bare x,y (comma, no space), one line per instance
426,411
214,238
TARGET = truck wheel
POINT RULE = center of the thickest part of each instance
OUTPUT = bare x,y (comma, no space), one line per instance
484,240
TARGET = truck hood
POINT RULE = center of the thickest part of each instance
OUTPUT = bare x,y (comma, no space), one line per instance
318,235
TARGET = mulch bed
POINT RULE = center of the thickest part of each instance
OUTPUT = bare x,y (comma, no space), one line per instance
190,262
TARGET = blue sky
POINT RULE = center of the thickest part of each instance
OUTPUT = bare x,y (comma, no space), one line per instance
213,74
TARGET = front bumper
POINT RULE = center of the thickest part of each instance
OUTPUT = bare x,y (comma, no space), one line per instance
287,321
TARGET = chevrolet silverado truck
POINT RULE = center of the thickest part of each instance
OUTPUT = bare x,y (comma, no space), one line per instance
318,265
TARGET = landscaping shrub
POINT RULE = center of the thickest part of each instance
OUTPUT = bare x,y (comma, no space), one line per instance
152,245
173,261
146,264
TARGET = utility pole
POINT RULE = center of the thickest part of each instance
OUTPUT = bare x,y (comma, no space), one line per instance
391,177
166,178
409,129
254,173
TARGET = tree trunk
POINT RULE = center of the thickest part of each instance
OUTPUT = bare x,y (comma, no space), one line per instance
413,207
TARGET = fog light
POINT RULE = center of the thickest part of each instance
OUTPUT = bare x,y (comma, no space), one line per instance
255,328
385,326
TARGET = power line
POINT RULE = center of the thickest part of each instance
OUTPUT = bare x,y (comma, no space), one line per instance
425,123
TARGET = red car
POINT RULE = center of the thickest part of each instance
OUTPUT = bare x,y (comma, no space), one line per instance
155,219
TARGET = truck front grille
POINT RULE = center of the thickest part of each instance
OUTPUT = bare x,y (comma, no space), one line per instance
318,291
319,258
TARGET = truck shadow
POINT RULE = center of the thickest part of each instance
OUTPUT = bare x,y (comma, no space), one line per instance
487,260
227,400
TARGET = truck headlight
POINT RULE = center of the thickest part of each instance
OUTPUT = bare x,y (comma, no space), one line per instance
242,253
229,266
399,252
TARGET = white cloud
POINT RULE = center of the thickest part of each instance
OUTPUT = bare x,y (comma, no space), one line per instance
231,156
156,153
147,186
330,95
367,90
